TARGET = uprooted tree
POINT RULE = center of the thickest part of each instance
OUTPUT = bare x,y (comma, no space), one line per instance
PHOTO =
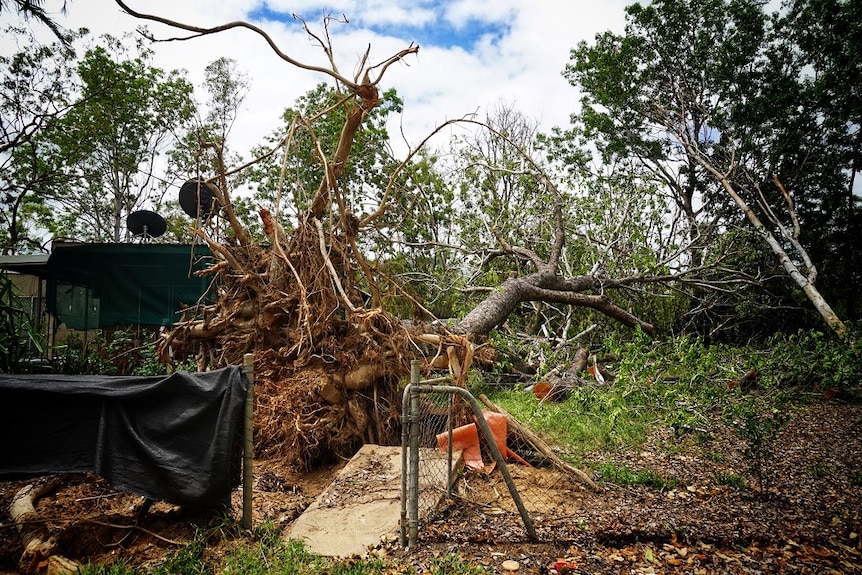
329,359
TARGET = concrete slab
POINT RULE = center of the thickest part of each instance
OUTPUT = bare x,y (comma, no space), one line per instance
363,502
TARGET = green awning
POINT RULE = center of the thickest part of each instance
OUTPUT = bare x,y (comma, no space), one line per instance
101,285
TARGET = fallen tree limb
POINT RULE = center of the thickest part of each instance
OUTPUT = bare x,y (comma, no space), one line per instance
540,444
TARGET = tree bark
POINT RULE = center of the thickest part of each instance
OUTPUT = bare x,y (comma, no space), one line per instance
803,281
39,545
493,310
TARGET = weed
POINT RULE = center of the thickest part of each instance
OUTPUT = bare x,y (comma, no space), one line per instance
187,560
757,421
715,456
819,470
20,337
453,564
118,568
730,479
613,473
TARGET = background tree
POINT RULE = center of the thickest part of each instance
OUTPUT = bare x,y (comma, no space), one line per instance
676,103
822,134
417,252
37,82
33,9
128,115
204,150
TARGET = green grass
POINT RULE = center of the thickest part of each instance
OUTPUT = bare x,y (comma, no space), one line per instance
621,475
730,479
452,564
588,420
265,552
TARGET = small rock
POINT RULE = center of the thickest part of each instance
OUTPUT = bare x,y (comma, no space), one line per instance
509,565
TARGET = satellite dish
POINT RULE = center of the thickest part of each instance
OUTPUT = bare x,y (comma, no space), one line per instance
196,198
146,224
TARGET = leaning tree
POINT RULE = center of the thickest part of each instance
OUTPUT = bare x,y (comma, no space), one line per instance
704,111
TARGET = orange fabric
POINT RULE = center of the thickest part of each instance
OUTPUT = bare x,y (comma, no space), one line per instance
465,439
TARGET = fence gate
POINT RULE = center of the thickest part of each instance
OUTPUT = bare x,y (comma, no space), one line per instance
469,474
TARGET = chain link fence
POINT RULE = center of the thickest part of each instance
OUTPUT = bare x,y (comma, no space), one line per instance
471,472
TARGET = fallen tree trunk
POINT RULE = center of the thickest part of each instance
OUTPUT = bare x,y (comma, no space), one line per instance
493,310
545,285
539,444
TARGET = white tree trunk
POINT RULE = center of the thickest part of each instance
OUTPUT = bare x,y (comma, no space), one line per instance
813,294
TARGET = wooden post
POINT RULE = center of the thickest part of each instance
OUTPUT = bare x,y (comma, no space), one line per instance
247,443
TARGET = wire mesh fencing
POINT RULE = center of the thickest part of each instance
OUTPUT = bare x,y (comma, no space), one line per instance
473,473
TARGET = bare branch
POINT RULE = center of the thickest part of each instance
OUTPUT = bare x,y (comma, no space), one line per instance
201,31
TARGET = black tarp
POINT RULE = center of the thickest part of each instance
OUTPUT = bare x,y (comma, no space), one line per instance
173,438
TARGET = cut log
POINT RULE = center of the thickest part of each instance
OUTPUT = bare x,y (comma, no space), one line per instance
539,444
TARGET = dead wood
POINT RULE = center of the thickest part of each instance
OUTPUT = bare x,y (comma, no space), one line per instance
556,385
545,285
39,544
528,436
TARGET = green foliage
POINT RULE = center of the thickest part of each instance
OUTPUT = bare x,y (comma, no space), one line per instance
758,422
730,479
812,359
19,338
199,152
149,363
622,475
684,382
315,123
35,86
116,352
72,356
744,93
126,115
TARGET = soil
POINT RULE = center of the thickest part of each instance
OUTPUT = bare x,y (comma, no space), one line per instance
700,519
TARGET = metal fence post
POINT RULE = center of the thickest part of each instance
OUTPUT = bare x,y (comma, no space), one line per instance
248,443
413,491
405,438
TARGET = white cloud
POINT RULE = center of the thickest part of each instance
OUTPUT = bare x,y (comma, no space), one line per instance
523,67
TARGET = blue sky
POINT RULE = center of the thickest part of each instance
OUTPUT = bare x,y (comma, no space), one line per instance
427,23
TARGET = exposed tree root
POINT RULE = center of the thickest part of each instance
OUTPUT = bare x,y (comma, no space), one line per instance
39,544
